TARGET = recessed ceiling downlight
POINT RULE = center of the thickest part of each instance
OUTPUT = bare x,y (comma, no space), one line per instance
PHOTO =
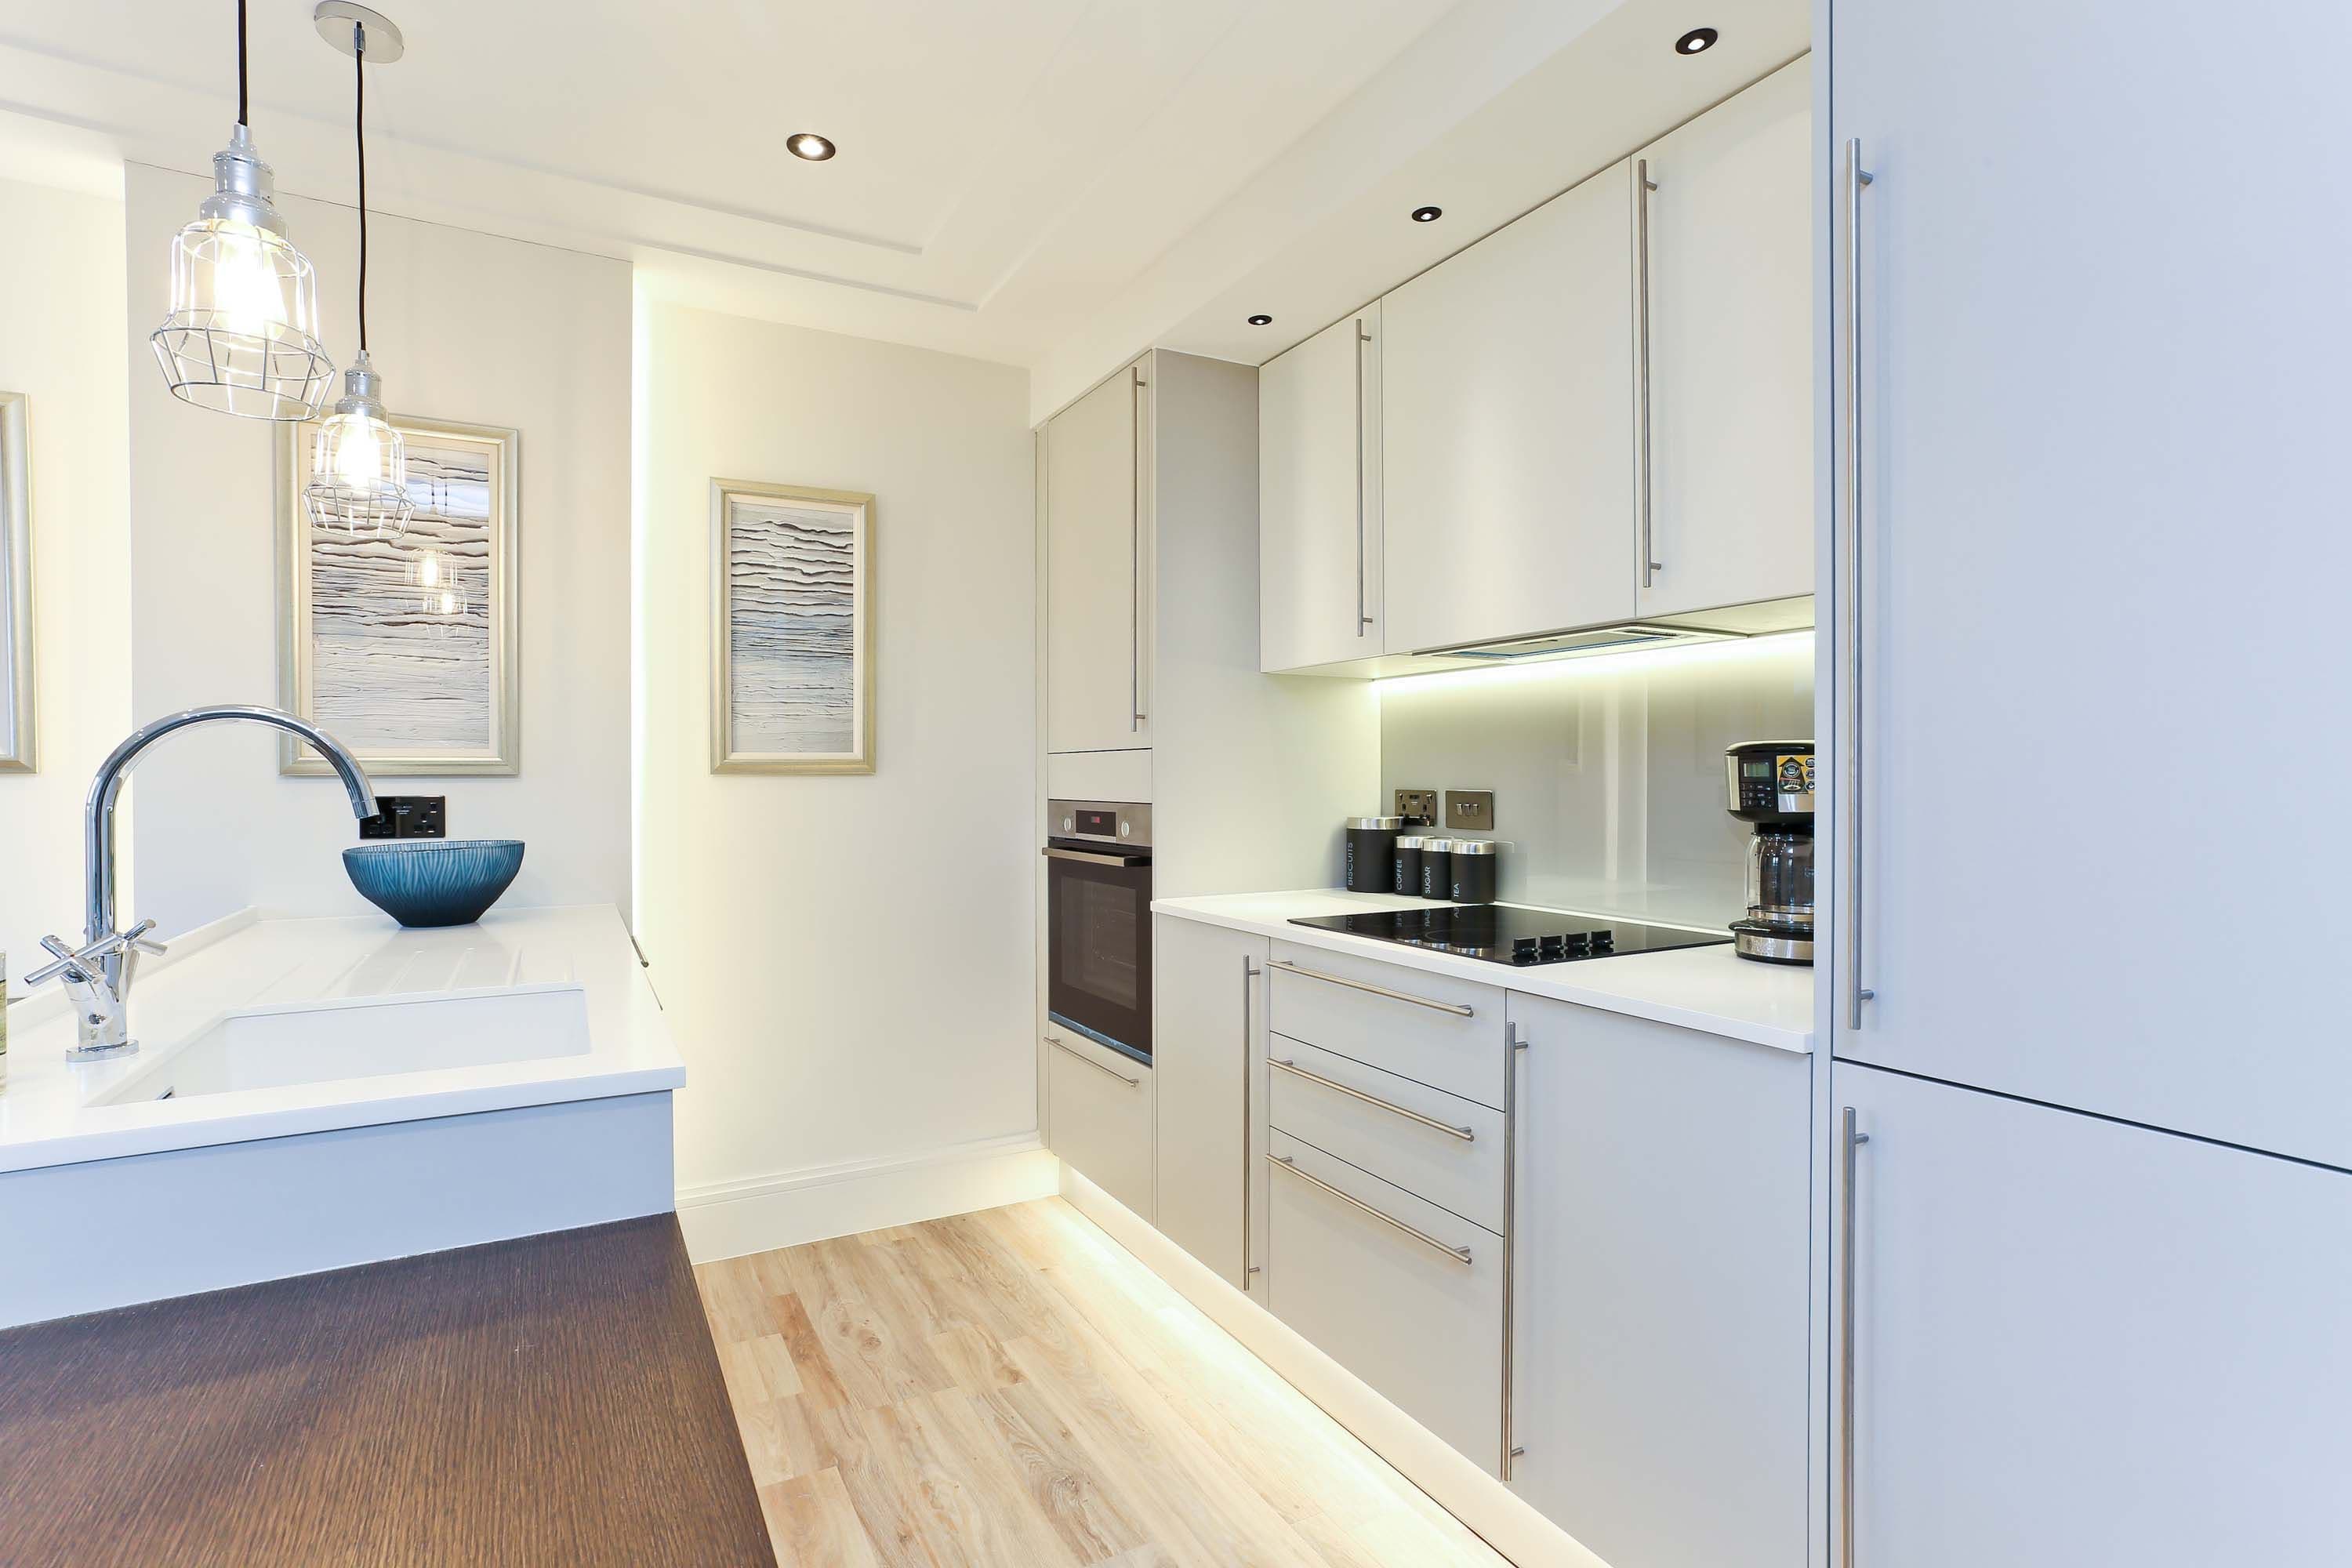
808,144
1698,41
1261,320
1427,215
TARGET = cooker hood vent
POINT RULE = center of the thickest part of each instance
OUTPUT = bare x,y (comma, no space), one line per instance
1623,638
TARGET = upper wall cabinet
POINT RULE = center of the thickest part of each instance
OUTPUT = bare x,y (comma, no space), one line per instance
1320,497
1508,426
1724,249
1096,664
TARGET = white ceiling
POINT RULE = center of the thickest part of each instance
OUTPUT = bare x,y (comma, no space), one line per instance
1052,182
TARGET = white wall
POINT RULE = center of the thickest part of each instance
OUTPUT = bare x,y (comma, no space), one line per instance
847,962
61,345
463,326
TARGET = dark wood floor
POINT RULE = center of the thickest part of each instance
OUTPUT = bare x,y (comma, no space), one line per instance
555,1400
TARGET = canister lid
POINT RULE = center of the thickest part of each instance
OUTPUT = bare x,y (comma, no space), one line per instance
1412,841
1438,846
1374,824
1475,846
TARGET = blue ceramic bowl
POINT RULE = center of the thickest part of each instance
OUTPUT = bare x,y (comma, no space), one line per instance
434,881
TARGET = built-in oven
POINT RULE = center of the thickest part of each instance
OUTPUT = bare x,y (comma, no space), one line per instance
1099,922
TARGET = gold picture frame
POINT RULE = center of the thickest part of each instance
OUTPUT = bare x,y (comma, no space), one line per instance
792,630
407,648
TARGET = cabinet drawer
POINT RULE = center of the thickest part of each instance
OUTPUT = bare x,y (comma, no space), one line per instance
1416,1322
1431,1028
1099,1117
1463,1174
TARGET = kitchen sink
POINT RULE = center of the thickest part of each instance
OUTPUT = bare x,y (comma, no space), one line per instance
311,1042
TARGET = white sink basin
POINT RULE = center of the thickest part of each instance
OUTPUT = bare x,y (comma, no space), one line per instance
272,1047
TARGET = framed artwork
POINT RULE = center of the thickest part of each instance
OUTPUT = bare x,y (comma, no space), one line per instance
404,647
16,591
792,639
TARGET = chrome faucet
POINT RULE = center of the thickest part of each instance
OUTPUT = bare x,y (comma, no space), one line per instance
98,974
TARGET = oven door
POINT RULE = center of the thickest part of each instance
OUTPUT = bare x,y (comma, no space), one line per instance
1098,944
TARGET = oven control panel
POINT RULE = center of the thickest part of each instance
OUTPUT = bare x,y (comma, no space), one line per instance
1100,822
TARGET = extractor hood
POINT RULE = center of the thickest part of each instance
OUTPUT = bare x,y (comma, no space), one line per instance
1627,637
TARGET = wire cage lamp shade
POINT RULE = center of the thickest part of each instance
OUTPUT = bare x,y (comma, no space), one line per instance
243,334
359,463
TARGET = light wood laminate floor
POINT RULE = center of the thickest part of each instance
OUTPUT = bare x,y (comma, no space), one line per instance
1014,1389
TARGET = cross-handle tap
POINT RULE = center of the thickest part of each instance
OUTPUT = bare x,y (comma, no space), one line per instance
83,974
99,974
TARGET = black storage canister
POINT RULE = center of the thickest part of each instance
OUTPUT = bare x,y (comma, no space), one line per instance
1477,864
1408,865
1437,868
1372,853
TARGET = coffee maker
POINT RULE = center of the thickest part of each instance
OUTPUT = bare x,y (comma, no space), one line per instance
1771,786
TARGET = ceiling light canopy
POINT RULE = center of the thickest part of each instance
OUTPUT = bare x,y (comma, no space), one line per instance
242,336
1427,215
1698,41
359,464
808,144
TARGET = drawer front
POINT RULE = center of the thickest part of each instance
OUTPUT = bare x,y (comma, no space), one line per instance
1099,1118
1418,1324
1435,1030
1463,1174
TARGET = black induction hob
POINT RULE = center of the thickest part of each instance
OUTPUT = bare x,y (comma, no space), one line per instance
1505,934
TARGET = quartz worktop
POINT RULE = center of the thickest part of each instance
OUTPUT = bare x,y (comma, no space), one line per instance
50,1114
1707,988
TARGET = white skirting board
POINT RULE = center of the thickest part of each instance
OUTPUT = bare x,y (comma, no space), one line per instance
728,1219
1458,1486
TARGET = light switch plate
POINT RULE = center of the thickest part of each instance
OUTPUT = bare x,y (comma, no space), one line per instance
1469,809
1417,806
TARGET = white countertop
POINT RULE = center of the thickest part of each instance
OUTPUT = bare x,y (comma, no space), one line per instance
241,963
1709,988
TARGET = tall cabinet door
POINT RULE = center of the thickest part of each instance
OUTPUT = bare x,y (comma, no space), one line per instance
1208,1060
1318,552
2075,1341
1659,1289
1727,254
2100,693
1507,424
1096,519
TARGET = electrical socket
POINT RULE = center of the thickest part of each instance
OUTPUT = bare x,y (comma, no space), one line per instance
407,816
1417,806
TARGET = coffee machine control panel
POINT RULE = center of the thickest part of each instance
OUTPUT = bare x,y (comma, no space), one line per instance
1768,782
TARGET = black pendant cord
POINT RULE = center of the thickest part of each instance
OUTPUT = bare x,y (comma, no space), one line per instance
359,135
240,62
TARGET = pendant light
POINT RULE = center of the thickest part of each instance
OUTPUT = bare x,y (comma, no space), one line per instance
242,337
359,465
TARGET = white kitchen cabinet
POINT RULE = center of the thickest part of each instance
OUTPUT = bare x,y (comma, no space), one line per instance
1659,1283
1402,1293
1508,428
1097,558
1208,1035
1729,388
1099,1116
1320,497
2076,1341
2098,682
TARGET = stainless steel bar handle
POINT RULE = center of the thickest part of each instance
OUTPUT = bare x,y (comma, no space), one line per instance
1249,1123
1853,1141
1091,858
1467,1135
1135,551
1849,804
1515,1043
1363,336
1458,1009
1643,186
1081,1056
1459,1253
